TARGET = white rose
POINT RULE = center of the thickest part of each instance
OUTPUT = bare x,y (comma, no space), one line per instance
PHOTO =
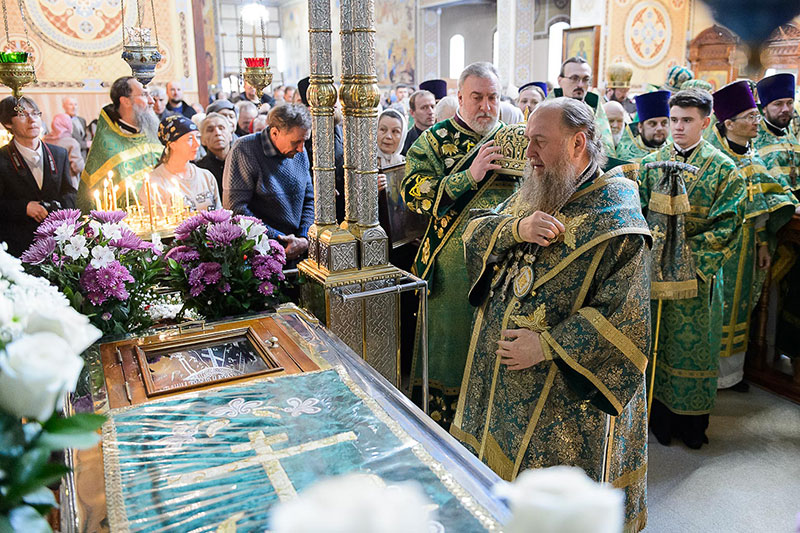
65,322
35,373
101,256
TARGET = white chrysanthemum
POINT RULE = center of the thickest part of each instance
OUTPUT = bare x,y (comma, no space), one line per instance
562,499
64,232
355,503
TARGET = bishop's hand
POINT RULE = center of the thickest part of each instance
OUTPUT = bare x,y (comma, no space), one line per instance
540,228
485,161
524,350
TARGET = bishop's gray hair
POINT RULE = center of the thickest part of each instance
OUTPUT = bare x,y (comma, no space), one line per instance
480,69
578,116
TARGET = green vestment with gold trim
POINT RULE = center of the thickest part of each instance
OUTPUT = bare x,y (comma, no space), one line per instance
127,155
595,101
587,295
690,338
767,208
781,155
438,184
630,146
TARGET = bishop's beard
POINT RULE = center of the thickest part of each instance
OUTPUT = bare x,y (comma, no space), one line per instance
548,190
147,121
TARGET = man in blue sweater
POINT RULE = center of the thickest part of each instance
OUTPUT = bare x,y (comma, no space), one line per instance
266,176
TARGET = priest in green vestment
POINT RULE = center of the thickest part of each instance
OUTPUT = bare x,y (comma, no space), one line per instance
650,131
775,143
574,81
560,279
450,169
126,142
767,208
689,342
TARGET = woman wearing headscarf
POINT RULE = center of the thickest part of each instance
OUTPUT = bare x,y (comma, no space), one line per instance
391,136
61,135
176,176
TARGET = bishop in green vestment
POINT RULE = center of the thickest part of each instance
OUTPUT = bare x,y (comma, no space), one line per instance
650,132
767,208
574,81
689,342
450,169
123,144
555,371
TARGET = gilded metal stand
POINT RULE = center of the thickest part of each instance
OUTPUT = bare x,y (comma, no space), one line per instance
351,259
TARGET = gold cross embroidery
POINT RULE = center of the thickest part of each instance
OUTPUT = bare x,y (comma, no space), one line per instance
537,321
267,457
657,233
751,189
571,225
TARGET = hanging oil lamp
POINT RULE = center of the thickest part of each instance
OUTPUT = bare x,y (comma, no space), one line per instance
16,67
137,48
256,71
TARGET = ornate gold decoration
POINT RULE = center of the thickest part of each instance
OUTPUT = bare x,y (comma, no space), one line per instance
513,144
258,77
537,321
619,75
16,76
571,225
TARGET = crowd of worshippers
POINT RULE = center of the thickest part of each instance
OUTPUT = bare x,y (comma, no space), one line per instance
717,175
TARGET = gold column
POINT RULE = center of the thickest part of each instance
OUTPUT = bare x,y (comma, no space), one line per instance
330,248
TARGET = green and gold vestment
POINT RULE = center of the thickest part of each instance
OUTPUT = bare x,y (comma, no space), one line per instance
438,183
781,155
127,155
594,101
691,328
588,298
767,208
630,146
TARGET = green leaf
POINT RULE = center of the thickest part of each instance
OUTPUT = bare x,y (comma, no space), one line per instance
29,465
40,496
79,423
60,441
173,264
45,475
28,520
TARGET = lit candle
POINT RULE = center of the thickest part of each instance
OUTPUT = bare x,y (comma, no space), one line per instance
114,189
159,202
105,193
176,191
127,195
149,201
97,200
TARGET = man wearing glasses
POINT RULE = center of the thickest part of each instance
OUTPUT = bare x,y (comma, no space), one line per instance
574,81
767,208
126,144
34,176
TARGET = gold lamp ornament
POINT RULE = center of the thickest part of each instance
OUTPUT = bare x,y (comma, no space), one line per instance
256,71
16,67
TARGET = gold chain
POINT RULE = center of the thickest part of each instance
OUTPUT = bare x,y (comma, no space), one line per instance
155,28
241,39
5,22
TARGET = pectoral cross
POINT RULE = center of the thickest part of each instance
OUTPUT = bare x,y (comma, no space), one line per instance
751,189
267,457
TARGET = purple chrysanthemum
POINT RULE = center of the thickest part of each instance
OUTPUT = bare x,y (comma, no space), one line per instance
203,275
265,266
224,232
224,288
108,217
266,288
128,240
40,250
188,226
100,284
238,218
220,215
70,215
183,254
279,250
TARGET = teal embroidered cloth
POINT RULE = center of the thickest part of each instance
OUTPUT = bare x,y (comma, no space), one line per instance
192,462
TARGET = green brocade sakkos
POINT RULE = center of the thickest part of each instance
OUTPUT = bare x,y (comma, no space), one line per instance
438,184
128,156
690,337
767,208
587,295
